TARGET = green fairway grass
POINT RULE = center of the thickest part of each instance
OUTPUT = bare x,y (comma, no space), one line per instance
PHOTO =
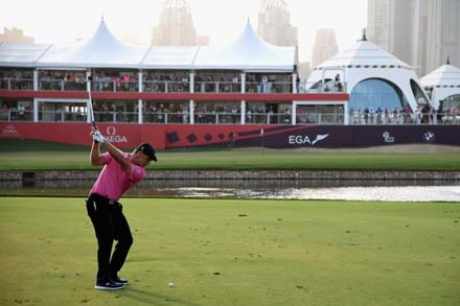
236,252
35,155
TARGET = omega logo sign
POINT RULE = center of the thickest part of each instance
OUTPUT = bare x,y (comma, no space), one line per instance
112,135
10,130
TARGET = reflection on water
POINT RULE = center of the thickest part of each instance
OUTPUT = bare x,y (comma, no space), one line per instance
390,194
375,190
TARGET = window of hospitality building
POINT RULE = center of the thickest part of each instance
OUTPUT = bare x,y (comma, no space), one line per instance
166,112
166,81
320,114
217,81
268,82
449,109
220,112
418,94
115,80
262,112
451,102
120,111
62,111
73,80
377,93
16,110
16,79
329,85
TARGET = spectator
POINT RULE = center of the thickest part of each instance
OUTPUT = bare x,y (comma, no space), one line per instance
338,83
439,114
454,112
5,112
249,116
378,114
395,115
371,116
235,112
386,115
210,83
264,84
21,111
417,116
366,115
425,114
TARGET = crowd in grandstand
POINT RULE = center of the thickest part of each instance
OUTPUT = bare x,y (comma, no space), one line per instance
204,112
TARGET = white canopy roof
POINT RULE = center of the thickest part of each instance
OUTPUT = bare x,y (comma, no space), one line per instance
365,54
445,82
365,60
102,50
249,52
445,76
166,57
20,55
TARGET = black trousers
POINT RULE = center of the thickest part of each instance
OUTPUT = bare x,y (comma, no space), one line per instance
109,224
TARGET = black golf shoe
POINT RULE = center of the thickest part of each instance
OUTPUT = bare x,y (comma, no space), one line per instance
119,280
109,285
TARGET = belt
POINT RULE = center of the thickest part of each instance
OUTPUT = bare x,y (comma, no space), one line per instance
108,201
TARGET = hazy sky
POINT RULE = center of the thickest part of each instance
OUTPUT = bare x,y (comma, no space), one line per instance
63,21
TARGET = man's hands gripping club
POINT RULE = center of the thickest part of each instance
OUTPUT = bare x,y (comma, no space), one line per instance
96,157
97,136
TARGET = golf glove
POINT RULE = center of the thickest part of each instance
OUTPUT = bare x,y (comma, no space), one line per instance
97,136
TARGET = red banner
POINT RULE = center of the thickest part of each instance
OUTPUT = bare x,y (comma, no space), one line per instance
130,135
123,135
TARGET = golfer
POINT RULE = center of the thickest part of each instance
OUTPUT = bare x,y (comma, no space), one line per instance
120,172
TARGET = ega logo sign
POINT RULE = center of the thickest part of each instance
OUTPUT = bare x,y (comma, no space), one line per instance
301,140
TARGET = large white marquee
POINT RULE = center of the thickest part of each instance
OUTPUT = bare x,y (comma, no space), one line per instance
104,50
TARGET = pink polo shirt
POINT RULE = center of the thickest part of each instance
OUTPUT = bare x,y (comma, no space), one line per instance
113,180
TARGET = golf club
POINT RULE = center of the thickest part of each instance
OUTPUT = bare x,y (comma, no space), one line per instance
90,109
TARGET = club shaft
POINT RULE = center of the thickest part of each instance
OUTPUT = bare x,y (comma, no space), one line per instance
91,104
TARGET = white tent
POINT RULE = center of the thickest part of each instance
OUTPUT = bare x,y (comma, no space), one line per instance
21,55
102,50
443,83
249,53
169,57
365,61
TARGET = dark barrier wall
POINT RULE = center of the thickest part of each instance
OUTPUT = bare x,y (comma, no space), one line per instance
358,136
273,136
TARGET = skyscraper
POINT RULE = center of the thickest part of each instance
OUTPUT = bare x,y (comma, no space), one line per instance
379,23
176,25
325,46
423,33
275,23
15,35
391,26
443,33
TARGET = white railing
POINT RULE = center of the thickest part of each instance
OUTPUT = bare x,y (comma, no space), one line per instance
108,85
223,117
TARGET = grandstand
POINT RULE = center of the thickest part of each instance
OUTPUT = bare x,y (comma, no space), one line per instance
212,95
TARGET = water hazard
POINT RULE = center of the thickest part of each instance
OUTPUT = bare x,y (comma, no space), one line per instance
365,190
